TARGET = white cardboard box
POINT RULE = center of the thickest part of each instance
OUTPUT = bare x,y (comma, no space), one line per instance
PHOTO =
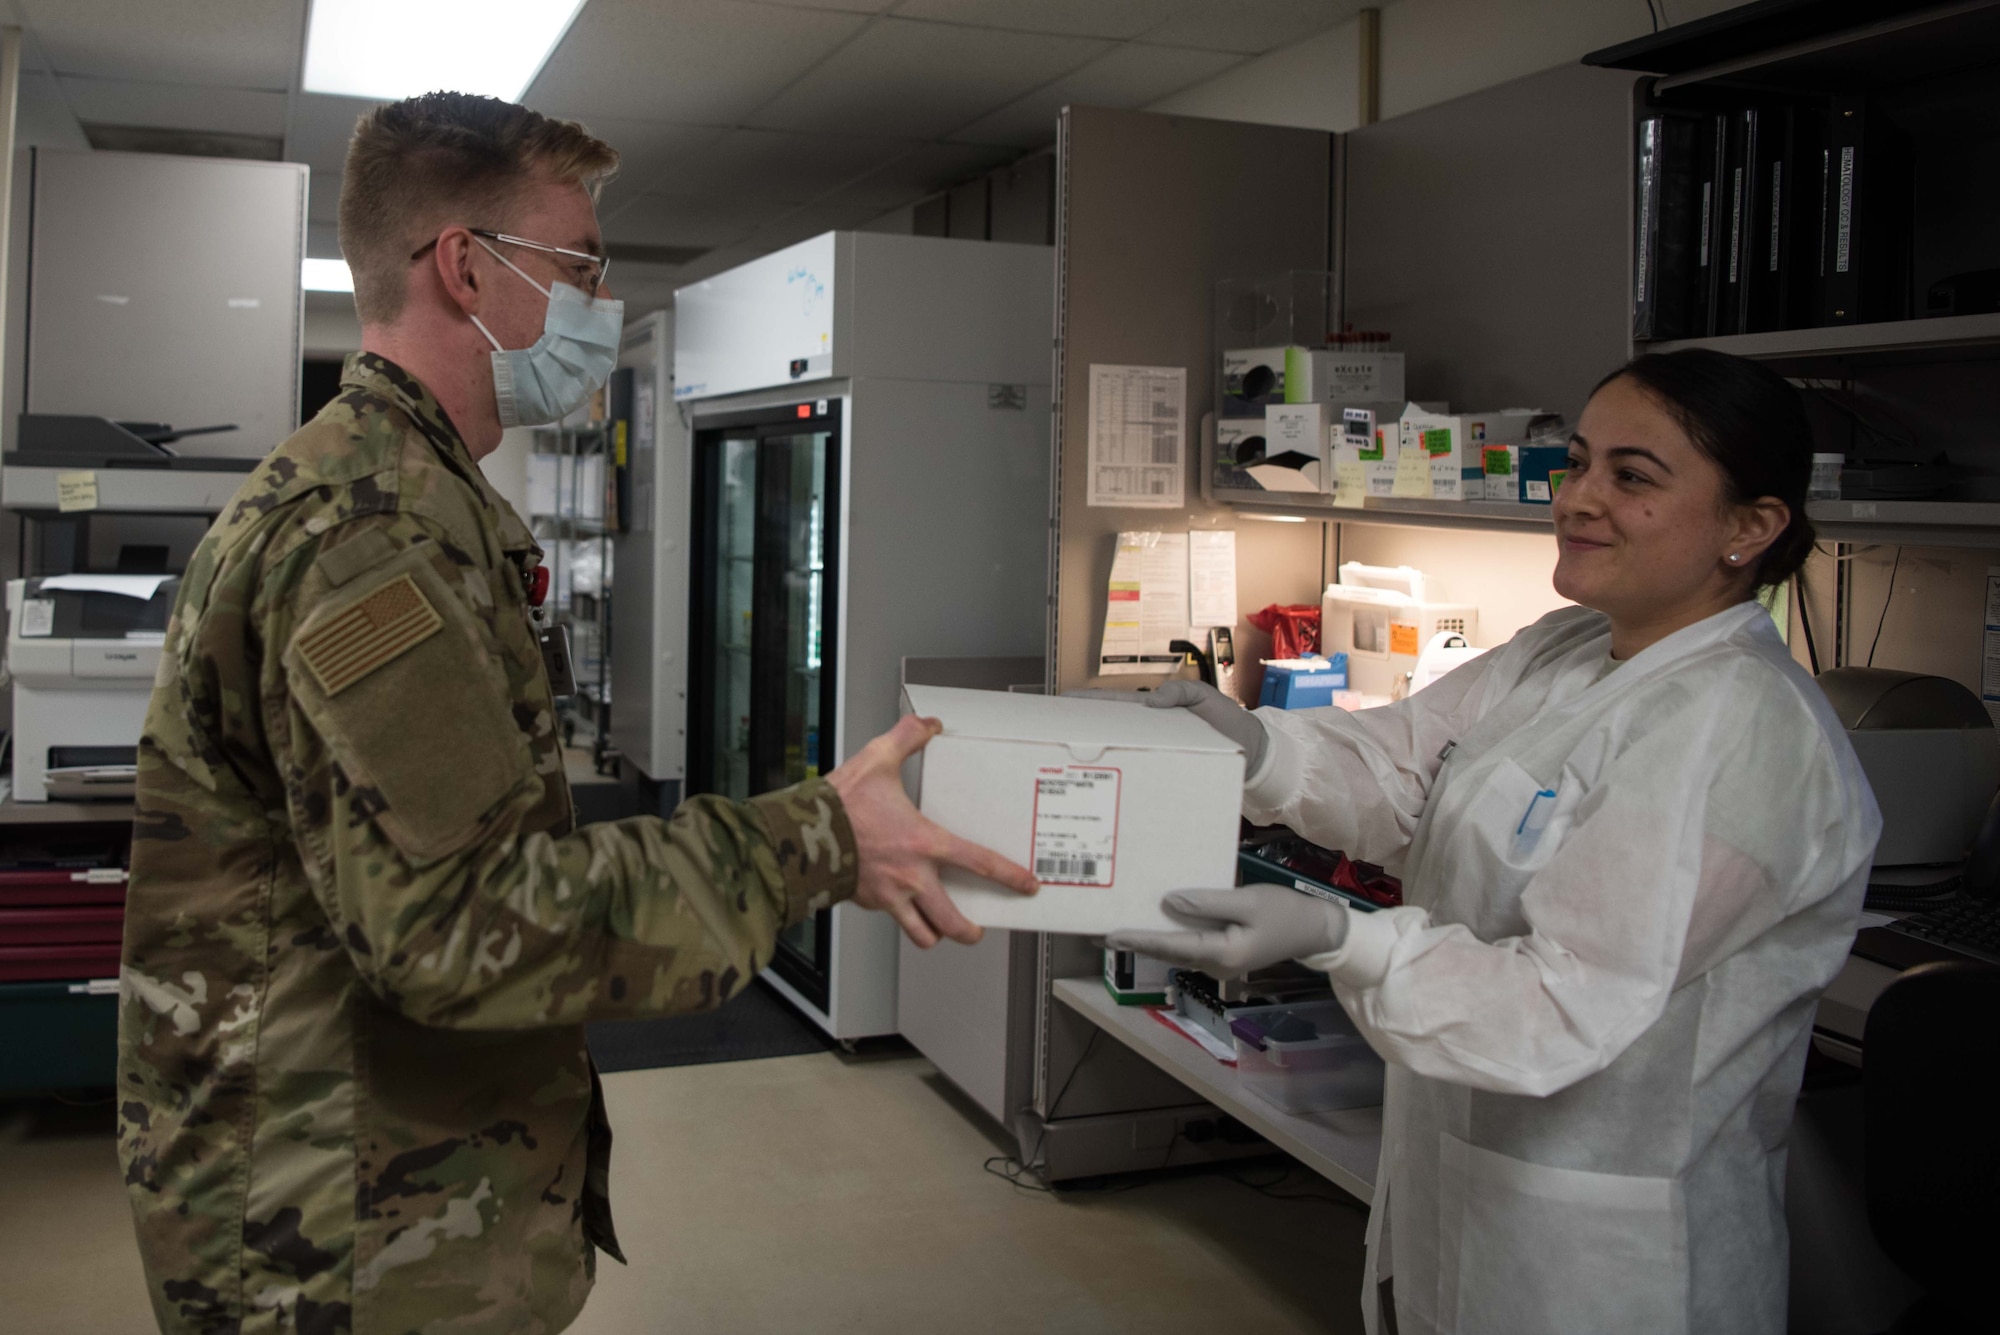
1112,805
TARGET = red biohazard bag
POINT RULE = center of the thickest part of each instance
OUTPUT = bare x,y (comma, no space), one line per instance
1294,631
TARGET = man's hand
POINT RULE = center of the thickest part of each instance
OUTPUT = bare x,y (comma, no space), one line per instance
901,852
1251,927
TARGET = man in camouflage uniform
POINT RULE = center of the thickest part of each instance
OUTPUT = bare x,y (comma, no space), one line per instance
363,933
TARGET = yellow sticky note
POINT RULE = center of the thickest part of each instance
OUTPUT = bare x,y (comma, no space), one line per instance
76,491
1413,474
1350,484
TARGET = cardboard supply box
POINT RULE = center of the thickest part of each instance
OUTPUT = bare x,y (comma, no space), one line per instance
1111,805
1336,375
1239,443
1253,378
1456,444
1295,443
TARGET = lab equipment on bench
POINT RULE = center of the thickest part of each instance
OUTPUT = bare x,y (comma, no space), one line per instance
83,650
865,479
1928,749
1305,1057
1380,617
1302,683
1444,651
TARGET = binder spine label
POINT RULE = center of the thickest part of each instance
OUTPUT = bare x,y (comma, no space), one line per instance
1707,199
1649,168
1777,210
1844,233
1735,221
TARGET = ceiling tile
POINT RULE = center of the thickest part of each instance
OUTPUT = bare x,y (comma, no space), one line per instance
925,170
810,221
223,43
42,118
849,6
779,164
1252,27
699,62
693,220
1078,18
1131,76
646,150
320,128
922,80
174,106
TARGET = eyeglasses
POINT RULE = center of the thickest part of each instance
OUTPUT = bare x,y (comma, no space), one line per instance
588,274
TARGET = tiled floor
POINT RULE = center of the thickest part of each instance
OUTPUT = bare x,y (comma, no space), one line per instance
798,1195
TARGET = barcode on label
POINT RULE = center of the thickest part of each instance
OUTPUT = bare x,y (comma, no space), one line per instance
1066,867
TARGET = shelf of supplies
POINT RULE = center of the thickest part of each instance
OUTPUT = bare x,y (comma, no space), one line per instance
1908,523
1942,338
1504,516
165,491
1342,1147
65,813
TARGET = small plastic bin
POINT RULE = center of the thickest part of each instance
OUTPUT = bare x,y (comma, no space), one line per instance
1306,1058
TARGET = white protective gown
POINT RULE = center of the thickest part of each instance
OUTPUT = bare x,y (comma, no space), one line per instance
1625,889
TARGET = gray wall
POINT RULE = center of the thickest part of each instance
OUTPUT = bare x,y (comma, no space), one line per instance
1152,211
1488,236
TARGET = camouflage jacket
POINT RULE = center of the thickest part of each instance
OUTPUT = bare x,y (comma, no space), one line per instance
362,935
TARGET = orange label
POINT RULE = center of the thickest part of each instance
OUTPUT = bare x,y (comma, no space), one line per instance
1402,638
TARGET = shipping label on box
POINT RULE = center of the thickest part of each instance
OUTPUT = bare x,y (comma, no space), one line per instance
1499,467
1439,439
1111,805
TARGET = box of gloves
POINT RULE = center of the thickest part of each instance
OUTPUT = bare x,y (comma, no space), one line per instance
1111,805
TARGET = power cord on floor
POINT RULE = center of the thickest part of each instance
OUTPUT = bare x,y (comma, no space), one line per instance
1011,1170
1287,1174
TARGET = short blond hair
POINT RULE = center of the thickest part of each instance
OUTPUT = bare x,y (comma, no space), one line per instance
423,164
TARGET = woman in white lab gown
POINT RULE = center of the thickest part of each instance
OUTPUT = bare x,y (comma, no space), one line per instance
1633,842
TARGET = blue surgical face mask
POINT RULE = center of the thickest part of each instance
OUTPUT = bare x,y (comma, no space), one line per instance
571,360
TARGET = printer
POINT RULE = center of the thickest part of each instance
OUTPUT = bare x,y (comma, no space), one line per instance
1932,758
83,651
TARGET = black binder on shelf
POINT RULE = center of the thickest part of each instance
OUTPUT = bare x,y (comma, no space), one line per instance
1711,172
1866,222
1733,261
1664,277
1781,281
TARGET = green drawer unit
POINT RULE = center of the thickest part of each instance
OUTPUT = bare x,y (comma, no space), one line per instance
52,1038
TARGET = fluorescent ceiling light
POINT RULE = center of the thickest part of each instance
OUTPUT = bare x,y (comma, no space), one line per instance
392,49
326,276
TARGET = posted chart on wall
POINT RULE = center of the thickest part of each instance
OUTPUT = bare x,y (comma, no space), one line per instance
1138,437
1165,587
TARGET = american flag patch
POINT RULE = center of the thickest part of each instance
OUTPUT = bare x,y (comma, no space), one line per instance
390,621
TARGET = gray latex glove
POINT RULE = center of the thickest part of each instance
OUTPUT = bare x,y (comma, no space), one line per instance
1251,927
1219,712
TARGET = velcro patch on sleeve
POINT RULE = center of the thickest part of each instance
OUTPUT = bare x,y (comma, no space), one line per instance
382,626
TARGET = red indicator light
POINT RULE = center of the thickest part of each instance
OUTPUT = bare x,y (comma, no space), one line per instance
538,585
805,410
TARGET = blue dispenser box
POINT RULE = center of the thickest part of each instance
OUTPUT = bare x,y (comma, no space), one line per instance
1303,683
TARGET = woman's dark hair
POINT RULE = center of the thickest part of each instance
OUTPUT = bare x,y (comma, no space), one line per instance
1745,418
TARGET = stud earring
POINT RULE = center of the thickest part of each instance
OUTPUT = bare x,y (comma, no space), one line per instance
1733,557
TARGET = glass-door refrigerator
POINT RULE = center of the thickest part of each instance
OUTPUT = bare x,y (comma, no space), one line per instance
868,418
761,673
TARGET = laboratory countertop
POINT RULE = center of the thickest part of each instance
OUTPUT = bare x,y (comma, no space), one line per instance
1342,1147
